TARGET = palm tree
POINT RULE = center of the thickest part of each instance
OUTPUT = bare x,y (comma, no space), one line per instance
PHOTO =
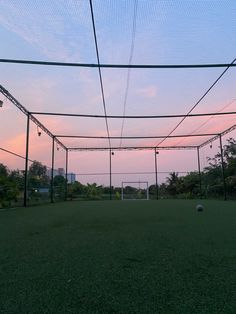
173,180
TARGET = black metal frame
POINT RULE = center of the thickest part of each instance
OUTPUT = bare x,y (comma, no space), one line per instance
79,115
31,117
122,148
223,167
52,171
26,160
199,171
119,66
110,175
98,65
66,185
157,190
135,137
55,139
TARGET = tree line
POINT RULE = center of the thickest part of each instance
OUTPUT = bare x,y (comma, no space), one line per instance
208,184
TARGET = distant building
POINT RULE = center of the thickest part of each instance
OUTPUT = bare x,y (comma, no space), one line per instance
49,172
61,172
71,177
56,172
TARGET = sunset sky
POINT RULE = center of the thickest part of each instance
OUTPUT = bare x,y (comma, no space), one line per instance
128,31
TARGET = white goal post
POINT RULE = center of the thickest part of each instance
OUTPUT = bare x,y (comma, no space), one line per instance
135,190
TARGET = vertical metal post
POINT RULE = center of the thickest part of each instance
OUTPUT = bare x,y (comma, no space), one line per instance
122,191
52,170
222,166
26,160
156,153
66,185
110,177
199,171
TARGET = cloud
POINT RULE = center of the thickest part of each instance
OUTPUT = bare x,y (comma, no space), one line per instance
49,28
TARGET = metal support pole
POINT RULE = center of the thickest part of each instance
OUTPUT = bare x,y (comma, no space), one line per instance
52,170
122,191
66,185
26,160
223,167
199,171
156,153
110,176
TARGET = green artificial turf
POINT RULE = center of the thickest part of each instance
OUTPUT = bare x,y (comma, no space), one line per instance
119,257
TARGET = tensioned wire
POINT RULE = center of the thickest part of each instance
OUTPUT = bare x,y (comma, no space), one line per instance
205,122
18,155
180,122
99,71
129,69
197,103
100,66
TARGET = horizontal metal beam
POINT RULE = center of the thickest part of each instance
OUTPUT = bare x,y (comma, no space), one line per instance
232,128
15,102
122,173
133,116
131,148
119,66
217,136
133,137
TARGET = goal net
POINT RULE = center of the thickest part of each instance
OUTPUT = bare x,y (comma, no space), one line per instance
135,190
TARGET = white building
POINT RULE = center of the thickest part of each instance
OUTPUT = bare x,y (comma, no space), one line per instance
61,172
56,172
71,177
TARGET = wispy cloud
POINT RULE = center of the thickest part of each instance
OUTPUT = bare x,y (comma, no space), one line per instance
49,27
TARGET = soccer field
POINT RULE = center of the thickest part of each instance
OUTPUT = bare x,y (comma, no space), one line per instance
119,257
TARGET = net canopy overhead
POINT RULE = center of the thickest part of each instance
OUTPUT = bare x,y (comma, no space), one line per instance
99,70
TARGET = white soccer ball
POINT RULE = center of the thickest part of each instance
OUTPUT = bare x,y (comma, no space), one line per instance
199,207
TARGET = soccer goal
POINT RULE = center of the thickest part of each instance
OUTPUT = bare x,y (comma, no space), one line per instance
135,190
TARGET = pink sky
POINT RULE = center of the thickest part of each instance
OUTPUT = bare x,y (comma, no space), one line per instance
174,32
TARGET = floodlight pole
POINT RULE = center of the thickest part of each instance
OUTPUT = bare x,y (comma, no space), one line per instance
222,166
66,185
156,153
52,170
26,160
199,171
